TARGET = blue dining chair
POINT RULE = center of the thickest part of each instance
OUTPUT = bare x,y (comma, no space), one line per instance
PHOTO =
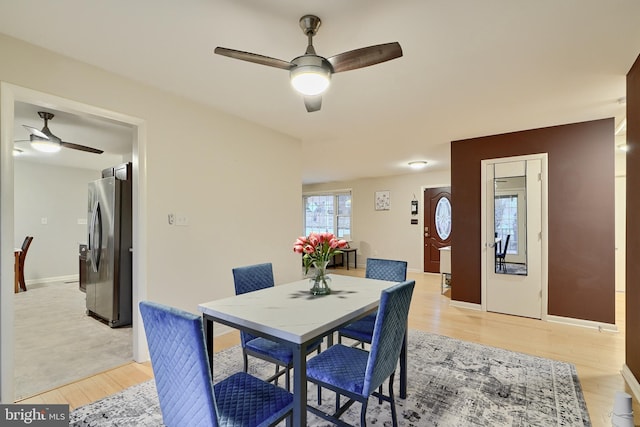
187,396
356,373
382,269
252,278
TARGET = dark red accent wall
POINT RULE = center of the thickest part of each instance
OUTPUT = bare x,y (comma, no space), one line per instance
632,322
581,214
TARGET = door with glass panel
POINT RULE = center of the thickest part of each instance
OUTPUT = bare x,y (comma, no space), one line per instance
437,225
513,236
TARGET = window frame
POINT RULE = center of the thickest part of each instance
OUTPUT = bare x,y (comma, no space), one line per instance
336,194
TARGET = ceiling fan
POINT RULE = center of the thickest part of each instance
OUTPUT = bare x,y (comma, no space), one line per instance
44,140
310,73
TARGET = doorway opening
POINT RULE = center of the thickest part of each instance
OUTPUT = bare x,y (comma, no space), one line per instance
9,96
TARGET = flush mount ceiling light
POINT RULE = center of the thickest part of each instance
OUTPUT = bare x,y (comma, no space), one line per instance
418,164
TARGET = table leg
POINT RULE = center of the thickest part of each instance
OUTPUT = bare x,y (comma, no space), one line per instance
299,386
403,366
208,329
355,259
347,259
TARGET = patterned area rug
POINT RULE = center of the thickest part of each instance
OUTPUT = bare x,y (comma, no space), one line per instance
451,383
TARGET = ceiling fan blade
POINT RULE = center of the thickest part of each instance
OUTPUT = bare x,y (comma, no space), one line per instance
254,57
36,132
313,103
80,147
365,56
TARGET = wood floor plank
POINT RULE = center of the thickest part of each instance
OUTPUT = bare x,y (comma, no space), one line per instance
598,356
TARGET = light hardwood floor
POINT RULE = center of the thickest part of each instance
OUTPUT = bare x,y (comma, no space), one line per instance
598,356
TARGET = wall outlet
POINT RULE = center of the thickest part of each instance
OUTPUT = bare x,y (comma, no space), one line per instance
182,220
44,220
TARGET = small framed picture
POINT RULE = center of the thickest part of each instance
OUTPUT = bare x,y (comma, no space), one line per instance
382,200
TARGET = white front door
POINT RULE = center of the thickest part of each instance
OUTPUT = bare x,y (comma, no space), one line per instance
514,208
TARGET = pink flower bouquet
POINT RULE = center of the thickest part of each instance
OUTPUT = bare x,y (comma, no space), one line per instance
318,248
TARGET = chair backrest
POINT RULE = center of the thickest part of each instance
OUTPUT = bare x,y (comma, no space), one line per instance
252,278
388,333
505,247
386,269
180,365
25,247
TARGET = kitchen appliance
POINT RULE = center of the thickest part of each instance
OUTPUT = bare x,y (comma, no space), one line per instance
109,258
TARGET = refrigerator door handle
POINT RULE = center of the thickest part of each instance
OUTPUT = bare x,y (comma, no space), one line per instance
95,237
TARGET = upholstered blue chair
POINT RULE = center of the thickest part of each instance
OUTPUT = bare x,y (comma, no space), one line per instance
252,278
382,269
182,374
356,373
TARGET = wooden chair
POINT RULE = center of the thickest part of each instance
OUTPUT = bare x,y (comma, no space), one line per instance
20,262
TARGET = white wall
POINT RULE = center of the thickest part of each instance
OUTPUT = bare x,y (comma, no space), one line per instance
238,183
388,234
208,176
58,194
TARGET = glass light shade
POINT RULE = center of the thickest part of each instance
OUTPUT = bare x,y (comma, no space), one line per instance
311,74
310,82
17,151
45,145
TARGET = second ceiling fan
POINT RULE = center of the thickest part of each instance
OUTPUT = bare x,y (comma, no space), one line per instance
44,140
310,73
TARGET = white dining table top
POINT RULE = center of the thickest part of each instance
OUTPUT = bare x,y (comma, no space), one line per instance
291,313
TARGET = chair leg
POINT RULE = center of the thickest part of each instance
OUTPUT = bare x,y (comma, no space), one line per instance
23,285
287,380
246,360
392,402
276,373
363,414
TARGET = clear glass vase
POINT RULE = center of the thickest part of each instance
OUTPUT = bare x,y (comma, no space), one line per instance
320,282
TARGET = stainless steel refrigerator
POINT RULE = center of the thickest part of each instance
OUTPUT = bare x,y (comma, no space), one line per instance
109,272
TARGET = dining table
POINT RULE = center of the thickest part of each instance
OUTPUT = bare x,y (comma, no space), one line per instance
290,314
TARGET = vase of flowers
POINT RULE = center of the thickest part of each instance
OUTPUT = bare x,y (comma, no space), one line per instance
317,249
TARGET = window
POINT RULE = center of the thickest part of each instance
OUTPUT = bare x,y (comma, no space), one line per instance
328,212
506,217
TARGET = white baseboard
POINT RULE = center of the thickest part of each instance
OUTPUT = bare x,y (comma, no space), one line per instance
631,381
70,278
583,323
467,305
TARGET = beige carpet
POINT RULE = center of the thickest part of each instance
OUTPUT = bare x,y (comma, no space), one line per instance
57,343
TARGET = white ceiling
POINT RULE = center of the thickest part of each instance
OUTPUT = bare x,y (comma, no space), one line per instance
470,67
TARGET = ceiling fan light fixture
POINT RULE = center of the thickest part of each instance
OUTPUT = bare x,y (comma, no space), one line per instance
44,145
311,75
